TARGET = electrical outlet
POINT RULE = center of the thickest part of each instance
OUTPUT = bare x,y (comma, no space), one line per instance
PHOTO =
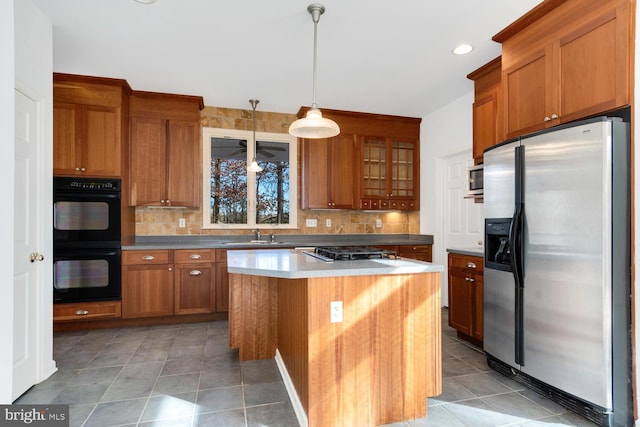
312,222
378,223
336,311
182,223
328,222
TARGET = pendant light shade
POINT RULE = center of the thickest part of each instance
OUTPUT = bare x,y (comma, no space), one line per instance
313,125
254,167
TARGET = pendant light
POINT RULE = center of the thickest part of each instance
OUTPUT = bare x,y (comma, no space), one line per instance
254,167
313,125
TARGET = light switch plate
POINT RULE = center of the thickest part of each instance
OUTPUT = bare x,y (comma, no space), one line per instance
312,222
182,223
328,222
378,223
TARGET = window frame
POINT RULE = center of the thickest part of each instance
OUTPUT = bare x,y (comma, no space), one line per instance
207,134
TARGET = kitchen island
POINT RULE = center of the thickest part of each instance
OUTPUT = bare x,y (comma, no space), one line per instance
373,361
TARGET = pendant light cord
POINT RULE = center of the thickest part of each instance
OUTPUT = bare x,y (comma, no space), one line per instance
315,10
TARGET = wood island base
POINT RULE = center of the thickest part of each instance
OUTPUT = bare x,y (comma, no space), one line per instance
377,366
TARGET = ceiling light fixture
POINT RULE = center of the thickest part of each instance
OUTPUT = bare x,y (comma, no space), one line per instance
254,167
462,49
313,125
146,1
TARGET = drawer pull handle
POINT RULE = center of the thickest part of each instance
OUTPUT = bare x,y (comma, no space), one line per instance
148,257
82,312
195,256
471,265
195,273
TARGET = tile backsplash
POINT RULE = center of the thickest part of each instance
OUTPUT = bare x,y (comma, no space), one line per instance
165,221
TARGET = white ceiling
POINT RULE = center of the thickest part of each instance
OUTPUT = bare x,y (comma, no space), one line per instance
374,56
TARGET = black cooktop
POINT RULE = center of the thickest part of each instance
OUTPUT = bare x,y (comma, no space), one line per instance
340,253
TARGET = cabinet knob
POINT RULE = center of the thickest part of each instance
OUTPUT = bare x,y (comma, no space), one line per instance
471,265
195,273
148,258
83,169
168,202
471,280
170,268
547,119
82,312
77,169
162,202
554,116
195,256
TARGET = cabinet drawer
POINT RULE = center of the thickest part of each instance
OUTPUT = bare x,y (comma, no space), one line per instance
161,256
86,311
190,256
474,263
419,252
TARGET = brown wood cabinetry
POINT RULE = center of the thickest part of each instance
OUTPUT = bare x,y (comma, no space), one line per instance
566,60
328,175
466,297
222,282
194,281
419,252
95,310
147,283
488,128
373,164
90,125
165,149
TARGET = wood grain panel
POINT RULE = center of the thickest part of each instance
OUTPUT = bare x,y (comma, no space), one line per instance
183,166
293,335
148,153
253,315
194,288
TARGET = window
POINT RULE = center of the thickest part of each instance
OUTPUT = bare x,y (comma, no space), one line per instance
236,198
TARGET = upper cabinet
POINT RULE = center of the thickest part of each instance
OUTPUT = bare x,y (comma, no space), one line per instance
565,60
372,164
488,128
328,172
165,149
90,126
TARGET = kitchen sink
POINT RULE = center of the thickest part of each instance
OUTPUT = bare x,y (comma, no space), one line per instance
254,242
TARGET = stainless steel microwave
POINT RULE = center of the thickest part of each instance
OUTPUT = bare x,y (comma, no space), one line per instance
475,181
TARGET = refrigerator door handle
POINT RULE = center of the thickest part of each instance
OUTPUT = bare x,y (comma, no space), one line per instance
517,255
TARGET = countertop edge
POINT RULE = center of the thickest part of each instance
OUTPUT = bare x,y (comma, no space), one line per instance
468,251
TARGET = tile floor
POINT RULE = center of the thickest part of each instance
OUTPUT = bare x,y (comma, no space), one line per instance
184,375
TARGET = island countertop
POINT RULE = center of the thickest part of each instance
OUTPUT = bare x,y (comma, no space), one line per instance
295,264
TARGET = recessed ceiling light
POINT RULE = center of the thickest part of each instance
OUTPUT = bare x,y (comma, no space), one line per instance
146,1
462,49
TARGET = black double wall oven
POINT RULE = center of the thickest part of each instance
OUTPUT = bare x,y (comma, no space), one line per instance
86,239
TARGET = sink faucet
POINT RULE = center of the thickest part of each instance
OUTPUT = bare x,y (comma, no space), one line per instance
258,233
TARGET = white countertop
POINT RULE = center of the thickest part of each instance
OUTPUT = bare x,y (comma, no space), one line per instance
294,264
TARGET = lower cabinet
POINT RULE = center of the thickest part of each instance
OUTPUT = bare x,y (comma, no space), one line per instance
174,282
95,310
419,252
147,283
466,297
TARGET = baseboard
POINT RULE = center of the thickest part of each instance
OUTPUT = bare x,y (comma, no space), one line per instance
291,390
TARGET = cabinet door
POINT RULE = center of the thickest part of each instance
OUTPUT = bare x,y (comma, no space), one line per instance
222,287
477,331
194,288
341,167
100,152
460,301
147,290
183,164
374,168
148,162
402,170
593,67
66,131
527,93
484,125
328,173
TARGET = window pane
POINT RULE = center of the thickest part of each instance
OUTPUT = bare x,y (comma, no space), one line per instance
228,196
272,184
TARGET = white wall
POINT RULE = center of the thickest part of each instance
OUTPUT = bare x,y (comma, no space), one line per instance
6,177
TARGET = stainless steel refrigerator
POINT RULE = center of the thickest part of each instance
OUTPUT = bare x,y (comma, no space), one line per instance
557,265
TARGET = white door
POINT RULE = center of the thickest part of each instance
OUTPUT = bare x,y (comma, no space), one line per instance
27,274
463,220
